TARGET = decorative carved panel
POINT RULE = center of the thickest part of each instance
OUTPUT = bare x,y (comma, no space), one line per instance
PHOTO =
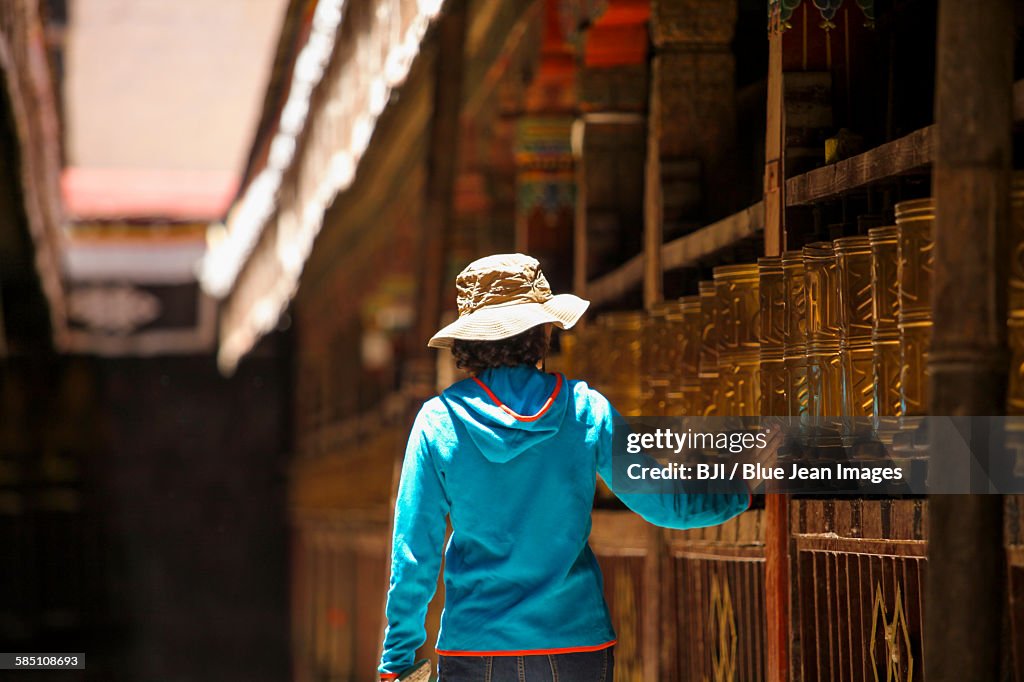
713,617
772,294
858,589
885,336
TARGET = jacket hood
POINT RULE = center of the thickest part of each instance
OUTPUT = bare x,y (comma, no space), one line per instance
508,410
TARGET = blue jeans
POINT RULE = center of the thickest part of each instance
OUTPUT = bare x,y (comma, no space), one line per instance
590,666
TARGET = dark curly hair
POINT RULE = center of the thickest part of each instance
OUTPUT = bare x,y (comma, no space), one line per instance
525,348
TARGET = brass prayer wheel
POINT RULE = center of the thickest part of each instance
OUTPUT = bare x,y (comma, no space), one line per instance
675,347
581,351
915,223
794,335
708,360
664,339
673,339
621,360
824,371
654,383
886,363
689,342
772,294
655,346
853,259
675,403
566,361
654,398
736,320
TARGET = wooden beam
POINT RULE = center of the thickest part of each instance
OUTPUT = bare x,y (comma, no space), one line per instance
915,151
968,359
685,251
912,152
690,249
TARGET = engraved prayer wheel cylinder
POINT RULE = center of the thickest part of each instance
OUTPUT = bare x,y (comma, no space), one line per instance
655,346
853,259
655,396
652,380
824,371
772,295
622,360
574,352
915,222
689,343
708,361
664,342
674,341
794,336
583,352
737,314
675,344
675,403
886,363
568,360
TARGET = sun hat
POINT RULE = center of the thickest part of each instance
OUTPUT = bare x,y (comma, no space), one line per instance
503,295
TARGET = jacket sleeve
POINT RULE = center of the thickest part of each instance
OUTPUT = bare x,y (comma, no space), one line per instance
668,503
417,547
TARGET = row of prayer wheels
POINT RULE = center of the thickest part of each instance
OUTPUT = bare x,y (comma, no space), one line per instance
836,329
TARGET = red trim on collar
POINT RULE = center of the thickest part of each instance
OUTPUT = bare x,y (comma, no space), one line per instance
530,418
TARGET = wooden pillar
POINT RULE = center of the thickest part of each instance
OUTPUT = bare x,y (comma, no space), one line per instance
438,208
545,180
693,109
691,128
610,140
775,131
776,540
968,358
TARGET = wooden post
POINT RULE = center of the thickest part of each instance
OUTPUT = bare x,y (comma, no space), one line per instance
609,140
968,358
774,169
776,534
545,180
691,124
438,210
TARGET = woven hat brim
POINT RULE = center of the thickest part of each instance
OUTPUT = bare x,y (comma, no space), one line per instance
493,323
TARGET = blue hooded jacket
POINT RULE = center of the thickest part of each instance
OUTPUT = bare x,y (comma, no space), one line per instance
512,458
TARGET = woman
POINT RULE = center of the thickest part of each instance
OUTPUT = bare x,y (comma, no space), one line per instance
511,456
